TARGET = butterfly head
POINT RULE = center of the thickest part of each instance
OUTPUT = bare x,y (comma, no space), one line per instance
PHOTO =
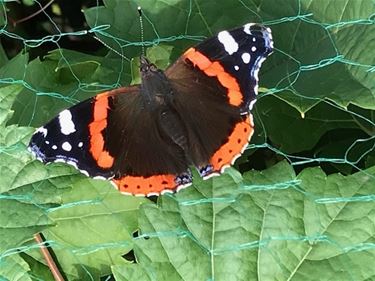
146,66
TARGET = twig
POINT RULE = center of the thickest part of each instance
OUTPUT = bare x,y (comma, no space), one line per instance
47,256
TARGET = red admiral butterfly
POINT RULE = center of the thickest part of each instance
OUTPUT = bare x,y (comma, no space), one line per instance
145,137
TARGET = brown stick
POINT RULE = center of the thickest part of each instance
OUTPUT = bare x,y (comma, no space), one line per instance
47,256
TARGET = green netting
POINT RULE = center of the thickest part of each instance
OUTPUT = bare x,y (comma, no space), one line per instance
298,205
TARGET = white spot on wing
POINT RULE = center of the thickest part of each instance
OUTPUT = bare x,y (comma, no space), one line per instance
114,185
80,144
256,69
246,27
230,45
165,191
183,186
126,193
251,123
245,58
84,172
253,48
236,157
214,174
152,194
66,122
236,67
99,178
254,39
72,163
54,147
43,131
66,146
139,195
224,167
252,104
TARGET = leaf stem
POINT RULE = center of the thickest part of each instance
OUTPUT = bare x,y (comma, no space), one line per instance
47,256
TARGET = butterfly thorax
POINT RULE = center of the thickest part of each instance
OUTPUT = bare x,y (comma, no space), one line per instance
155,87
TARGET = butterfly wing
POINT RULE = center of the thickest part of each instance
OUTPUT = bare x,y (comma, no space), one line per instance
217,81
145,137
111,136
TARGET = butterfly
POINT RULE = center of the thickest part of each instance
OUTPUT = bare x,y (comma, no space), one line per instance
146,138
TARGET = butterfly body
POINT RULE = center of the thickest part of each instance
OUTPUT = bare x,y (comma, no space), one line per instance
145,138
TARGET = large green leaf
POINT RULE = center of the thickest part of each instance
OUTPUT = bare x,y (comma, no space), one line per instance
93,229
273,225
324,53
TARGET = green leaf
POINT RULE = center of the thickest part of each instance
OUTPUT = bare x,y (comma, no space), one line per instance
93,228
38,269
14,268
341,212
337,67
130,272
273,225
290,132
3,56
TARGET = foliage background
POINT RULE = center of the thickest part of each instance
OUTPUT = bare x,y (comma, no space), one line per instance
299,204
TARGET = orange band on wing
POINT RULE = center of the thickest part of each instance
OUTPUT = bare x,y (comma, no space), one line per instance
101,156
215,69
146,185
233,148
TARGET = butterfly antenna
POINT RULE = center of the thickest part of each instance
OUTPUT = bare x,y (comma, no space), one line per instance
140,13
112,49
